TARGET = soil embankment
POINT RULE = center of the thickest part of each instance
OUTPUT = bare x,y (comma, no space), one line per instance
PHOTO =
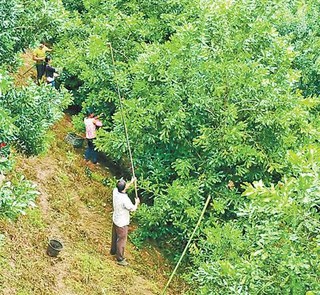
74,207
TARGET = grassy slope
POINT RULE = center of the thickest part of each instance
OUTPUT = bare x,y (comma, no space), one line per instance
76,210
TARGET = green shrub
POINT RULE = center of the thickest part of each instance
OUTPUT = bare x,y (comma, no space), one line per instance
10,11
272,246
35,109
78,123
212,94
8,130
74,6
25,23
16,197
214,103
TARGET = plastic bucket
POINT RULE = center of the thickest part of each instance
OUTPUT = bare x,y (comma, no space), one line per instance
54,248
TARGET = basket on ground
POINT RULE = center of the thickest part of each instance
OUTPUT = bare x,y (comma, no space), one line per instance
74,139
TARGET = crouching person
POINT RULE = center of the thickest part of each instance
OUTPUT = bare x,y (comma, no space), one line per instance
50,72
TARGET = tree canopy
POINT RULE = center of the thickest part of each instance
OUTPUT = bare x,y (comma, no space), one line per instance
214,93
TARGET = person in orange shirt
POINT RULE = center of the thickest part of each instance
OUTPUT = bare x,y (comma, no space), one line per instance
39,55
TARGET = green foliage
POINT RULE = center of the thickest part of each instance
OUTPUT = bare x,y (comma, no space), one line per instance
5,82
210,107
28,22
7,129
27,113
300,22
41,20
172,216
34,110
212,93
172,84
74,6
85,46
10,11
16,197
272,246
78,124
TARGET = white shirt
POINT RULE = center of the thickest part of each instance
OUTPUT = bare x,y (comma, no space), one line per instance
122,206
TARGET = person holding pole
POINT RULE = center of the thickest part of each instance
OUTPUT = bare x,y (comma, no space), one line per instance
122,206
91,124
39,55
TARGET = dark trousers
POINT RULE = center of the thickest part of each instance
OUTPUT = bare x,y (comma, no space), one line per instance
91,153
40,71
118,242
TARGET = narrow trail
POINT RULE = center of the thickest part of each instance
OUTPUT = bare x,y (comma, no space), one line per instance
75,209
26,71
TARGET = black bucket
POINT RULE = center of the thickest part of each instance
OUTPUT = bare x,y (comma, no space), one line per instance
54,247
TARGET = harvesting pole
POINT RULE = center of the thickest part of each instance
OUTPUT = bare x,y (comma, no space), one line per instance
187,246
124,123
28,70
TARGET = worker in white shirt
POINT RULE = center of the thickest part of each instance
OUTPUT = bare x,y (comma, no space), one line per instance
122,206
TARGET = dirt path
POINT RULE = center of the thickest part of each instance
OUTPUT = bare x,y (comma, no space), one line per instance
27,71
76,209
